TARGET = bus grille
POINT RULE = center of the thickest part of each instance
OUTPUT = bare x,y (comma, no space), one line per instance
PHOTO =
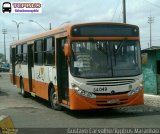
115,82
105,102
103,94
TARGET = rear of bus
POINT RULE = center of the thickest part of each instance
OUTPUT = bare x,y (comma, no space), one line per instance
105,66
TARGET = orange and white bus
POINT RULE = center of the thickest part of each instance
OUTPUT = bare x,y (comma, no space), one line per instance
81,66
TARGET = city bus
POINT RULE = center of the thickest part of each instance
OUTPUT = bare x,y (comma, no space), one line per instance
81,66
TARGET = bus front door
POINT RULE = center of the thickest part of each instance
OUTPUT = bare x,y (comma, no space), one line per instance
62,71
30,66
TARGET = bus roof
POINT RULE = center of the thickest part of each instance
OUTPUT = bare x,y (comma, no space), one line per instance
60,30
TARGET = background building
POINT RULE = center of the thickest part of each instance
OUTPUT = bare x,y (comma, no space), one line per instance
151,70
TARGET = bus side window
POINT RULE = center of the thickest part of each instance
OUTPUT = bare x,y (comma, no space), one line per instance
38,52
49,51
16,55
19,54
25,55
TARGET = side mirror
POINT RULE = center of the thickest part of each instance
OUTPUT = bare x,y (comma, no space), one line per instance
144,58
67,50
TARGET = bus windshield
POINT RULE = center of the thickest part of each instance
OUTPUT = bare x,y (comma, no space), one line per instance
101,59
6,5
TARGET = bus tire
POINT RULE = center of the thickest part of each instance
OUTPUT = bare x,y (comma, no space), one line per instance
53,100
23,92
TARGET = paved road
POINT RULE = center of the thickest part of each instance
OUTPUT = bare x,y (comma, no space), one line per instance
36,113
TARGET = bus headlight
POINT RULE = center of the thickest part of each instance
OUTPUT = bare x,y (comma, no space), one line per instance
134,91
83,92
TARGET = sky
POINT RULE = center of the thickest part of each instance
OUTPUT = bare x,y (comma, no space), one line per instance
58,12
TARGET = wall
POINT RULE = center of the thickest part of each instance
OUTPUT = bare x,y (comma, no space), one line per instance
149,73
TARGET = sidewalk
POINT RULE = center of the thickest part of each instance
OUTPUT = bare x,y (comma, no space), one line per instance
152,100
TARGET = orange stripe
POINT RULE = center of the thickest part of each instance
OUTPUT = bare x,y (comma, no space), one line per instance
17,81
26,84
78,102
41,89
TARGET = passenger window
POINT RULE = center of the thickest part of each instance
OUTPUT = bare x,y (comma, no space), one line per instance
19,52
25,55
38,52
49,51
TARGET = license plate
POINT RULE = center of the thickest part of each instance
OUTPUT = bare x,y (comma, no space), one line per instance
112,101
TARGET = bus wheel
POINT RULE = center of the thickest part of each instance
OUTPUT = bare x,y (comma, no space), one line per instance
54,100
23,92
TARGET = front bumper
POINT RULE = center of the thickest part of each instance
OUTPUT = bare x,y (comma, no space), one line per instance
78,102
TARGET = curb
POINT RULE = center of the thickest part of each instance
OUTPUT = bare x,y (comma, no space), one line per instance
151,95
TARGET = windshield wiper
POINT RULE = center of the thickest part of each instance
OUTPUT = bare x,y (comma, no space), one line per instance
120,45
